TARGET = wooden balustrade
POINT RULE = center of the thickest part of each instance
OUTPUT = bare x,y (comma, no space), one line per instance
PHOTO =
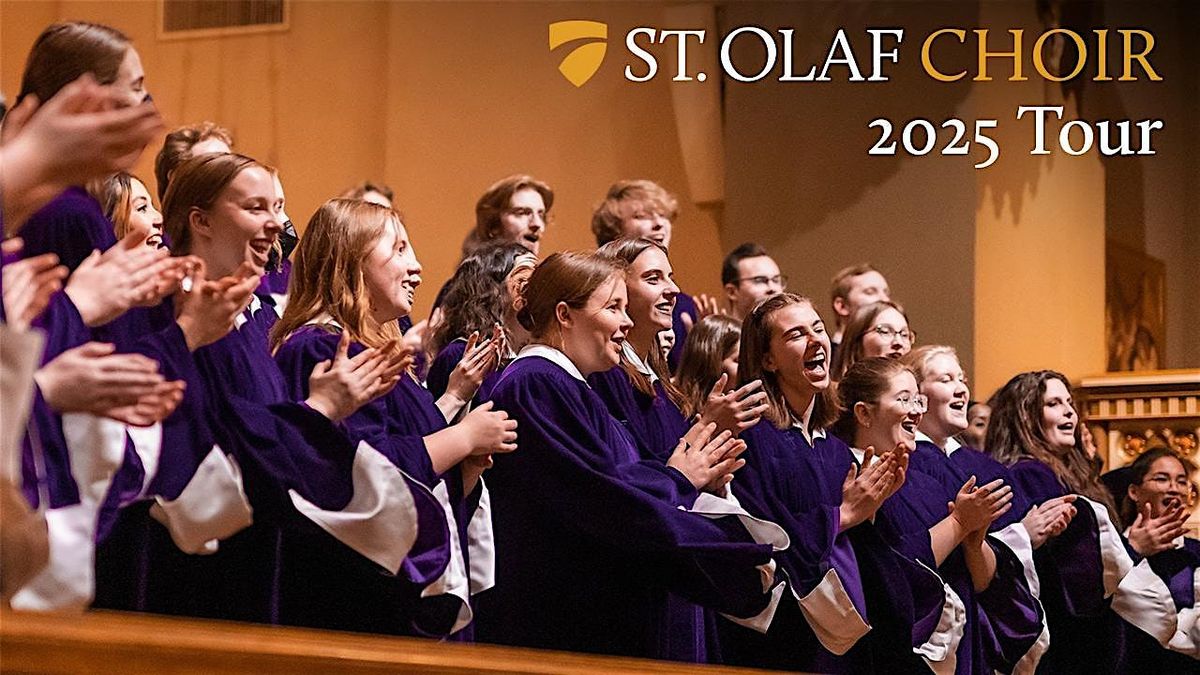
1129,413
114,642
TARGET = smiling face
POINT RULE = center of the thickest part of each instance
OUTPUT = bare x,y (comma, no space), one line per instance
240,226
1058,415
1164,485
524,221
129,89
891,421
143,217
640,219
945,385
651,292
799,351
888,336
592,335
391,274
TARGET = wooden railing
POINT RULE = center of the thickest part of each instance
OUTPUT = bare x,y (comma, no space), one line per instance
1129,413
112,642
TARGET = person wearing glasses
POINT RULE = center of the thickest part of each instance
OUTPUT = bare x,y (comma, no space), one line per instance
748,275
877,329
992,614
1154,509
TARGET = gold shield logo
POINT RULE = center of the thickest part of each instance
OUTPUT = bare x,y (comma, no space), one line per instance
582,62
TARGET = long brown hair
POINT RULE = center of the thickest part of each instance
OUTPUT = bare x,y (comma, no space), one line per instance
196,184
865,382
1015,432
477,295
625,250
756,344
64,51
706,346
569,277
851,348
328,272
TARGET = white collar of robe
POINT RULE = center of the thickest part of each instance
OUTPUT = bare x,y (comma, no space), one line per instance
802,425
952,443
255,305
637,362
554,356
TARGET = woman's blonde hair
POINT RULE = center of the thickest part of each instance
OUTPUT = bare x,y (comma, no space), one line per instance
328,272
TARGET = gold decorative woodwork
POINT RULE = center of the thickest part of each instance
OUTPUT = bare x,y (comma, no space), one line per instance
1130,413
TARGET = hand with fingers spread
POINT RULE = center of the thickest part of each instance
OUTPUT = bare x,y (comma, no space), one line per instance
707,458
976,507
74,137
1049,519
706,305
28,285
1149,535
866,487
92,378
737,410
130,274
478,361
338,387
206,310
489,430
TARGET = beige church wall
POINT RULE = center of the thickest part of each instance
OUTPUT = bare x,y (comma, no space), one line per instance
439,100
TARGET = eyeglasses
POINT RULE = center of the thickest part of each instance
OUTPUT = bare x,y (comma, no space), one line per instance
914,404
780,279
886,332
1164,480
526,212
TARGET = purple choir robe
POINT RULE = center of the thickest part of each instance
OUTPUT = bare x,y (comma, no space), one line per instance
591,540
656,425
395,424
1005,620
1084,635
297,468
784,482
1173,580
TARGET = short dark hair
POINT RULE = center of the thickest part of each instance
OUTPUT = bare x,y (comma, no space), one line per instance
729,268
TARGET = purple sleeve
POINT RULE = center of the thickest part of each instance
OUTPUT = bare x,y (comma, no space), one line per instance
72,225
371,423
438,376
683,305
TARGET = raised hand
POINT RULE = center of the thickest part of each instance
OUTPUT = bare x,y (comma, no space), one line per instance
1149,535
478,361
708,459
74,137
1049,519
866,487
706,305
130,274
489,431
737,410
205,310
975,508
338,387
28,285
